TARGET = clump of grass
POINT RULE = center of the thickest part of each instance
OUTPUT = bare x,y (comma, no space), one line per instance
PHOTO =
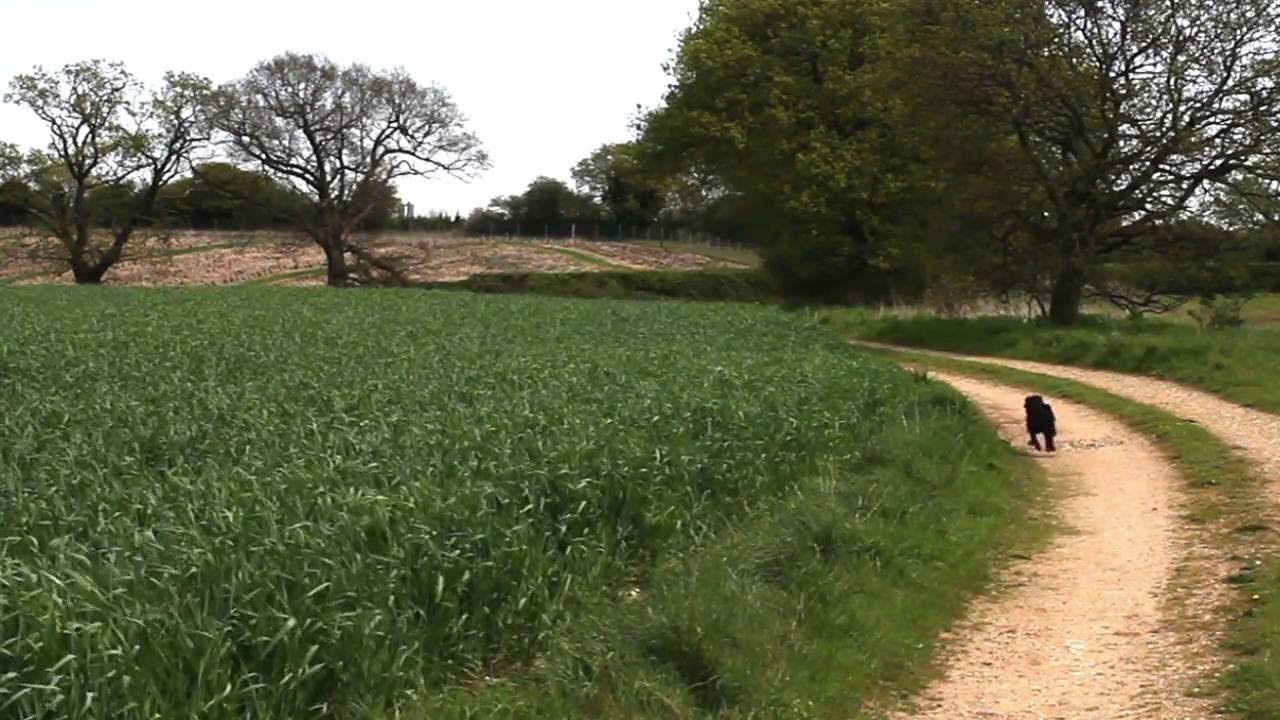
1235,364
1256,680
586,258
295,503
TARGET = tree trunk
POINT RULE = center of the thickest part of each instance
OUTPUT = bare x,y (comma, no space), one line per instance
1068,296
335,255
91,273
87,273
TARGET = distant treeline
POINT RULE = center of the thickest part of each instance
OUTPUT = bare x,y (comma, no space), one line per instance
218,196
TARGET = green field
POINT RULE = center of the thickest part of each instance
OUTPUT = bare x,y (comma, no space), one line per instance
1236,364
282,503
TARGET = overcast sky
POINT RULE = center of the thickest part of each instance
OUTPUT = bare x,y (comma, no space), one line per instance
544,82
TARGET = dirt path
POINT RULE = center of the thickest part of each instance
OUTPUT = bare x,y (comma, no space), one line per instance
1254,432
1082,630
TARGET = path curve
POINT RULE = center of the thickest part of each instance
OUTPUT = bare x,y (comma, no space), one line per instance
1254,432
1081,630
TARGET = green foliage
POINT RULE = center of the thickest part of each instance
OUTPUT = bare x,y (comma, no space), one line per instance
1050,76
203,522
547,206
972,139
15,202
783,104
221,196
112,206
1256,680
616,177
1220,313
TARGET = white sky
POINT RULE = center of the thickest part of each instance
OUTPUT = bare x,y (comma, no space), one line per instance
543,81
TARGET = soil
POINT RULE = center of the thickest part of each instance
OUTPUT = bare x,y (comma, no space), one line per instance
151,262
647,257
1082,630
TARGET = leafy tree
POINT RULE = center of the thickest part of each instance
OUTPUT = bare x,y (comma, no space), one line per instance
384,205
332,133
10,161
550,203
486,220
220,195
616,178
15,202
112,148
783,103
15,194
546,206
1250,203
112,206
1125,113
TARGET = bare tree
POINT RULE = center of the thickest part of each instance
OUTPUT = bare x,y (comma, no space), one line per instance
335,134
1127,112
106,136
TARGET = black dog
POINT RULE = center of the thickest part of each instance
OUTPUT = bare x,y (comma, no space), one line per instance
1040,421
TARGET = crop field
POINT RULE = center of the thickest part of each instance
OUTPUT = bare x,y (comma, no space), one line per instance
271,502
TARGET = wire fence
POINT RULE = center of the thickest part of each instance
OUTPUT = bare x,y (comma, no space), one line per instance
605,232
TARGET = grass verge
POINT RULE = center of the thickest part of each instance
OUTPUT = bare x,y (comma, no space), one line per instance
702,285
1226,504
282,277
1236,364
588,258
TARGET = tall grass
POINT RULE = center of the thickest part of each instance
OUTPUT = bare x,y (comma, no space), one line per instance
1236,364
295,503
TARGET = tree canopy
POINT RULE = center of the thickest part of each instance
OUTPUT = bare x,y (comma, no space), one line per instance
783,103
1025,142
616,177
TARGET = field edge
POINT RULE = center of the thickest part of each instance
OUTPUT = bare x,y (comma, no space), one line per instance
852,633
